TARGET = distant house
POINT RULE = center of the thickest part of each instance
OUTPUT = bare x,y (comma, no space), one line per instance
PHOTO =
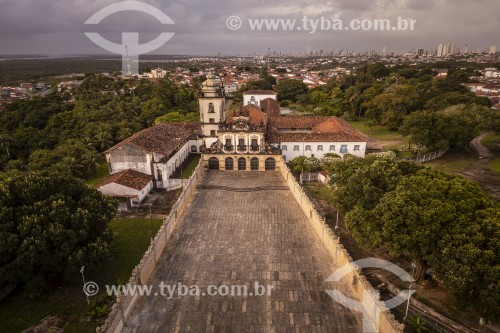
442,72
255,96
230,86
129,187
157,73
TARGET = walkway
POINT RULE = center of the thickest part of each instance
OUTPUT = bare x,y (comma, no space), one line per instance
242,228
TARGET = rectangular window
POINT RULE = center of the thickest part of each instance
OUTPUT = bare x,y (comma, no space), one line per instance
320,148
356,148
332,148
283,147
211,121
212,133
296,148
343,149
308,147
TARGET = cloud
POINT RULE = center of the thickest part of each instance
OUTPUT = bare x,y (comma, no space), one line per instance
56,26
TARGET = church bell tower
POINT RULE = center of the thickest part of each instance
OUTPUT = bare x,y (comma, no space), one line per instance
212,104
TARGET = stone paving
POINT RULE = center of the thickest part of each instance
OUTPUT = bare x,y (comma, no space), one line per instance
241,228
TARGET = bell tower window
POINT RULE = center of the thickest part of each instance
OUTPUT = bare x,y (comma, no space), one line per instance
211,108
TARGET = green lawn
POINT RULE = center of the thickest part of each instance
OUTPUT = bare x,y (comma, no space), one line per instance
190,167
101,173
377,132
454,162
132,238
491,141
320,192
494,165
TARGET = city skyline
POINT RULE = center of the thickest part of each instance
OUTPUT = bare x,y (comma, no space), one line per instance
57,27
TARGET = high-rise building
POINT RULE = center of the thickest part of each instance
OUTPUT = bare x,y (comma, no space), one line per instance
440,50
420,52
451,48
493,49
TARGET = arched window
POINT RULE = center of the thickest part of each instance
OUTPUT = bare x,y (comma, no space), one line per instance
270,164
194,149
254,164
213,163
229,163
211,108
242,163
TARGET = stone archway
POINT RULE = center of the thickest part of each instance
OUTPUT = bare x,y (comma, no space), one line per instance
242,163
213,163
229,163
254,164
270,164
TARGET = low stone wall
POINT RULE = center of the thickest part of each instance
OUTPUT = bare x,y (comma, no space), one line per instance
384,320
142,272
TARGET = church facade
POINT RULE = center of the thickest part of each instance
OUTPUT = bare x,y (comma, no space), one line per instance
237,141
254,137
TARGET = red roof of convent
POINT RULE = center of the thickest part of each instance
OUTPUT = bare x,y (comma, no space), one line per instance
271,107
163,138
257,117
128,178
312,129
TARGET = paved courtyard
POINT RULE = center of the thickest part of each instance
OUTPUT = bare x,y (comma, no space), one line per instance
242,228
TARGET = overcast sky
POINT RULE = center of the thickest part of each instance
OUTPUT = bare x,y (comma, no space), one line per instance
57,26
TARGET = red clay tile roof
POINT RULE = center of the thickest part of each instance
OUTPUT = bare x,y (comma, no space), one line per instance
163,138
128,178
257,117
312,129
271,107
259,92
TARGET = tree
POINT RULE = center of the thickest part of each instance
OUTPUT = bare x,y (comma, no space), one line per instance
328,160
364,181
454,126
418,325
176,117
303,163
72,158
426,128
50,226
424,209
290,89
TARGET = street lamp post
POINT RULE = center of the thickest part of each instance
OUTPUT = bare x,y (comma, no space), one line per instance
303,160
408,303
413,266
83,278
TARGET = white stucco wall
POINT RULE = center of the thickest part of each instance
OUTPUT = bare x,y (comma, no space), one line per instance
138,160
247,99
290,153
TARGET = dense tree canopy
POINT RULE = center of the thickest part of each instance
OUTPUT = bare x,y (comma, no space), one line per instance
437,220
68,132
290,90
50,225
